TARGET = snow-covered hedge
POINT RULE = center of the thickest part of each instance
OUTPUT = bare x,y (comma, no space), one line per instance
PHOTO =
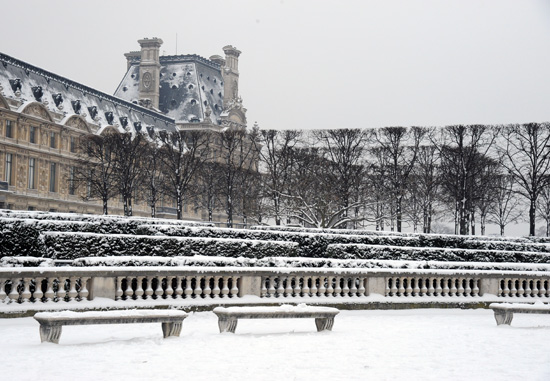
60,245
35,215
26,262
314,245
359,251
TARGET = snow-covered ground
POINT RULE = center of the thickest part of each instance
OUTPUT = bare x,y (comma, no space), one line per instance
433,344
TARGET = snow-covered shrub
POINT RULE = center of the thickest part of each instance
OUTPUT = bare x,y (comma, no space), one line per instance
26,262
359,251
60,245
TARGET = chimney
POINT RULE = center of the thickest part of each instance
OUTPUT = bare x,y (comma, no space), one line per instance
149,70
131,57
230,74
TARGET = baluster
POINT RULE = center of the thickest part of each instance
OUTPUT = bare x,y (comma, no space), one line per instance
453,287
234,287
61,292
305,288
446,287
26,293
527,288
297,288
400,286
542,290
330,289
424,289
409,289
353,290
361,290
188,290
169,290
416,289
265,281
438,289
280,287
129,291
546,288
288,286
337,288
460,290
2,290
83,293
72,289
535,288
271,289
38,294
345,289
475,290
149,288
313,290
225,289
506,290
521,290
118,292
158,290
393,288
431,288
139,287
49,294
216,290
197,292
513,290
468,289
207,289
14,292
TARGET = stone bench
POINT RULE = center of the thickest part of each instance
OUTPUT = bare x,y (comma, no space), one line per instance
504,312
52,322
228,317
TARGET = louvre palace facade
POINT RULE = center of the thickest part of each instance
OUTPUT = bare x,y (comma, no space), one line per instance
43,116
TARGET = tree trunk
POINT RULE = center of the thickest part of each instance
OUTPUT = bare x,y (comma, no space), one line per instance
532,217
501,229
104,206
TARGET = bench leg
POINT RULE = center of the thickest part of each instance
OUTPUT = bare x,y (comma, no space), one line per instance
171,329
50,333
227,325
324,324
503,317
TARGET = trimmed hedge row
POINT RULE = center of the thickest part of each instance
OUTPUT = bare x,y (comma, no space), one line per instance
61,245
312,245
359,251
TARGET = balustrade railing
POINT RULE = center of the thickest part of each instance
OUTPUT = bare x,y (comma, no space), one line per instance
185,284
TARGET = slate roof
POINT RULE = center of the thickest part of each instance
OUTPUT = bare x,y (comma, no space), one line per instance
188,85
27,84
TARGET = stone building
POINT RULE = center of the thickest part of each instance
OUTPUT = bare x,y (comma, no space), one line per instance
42,116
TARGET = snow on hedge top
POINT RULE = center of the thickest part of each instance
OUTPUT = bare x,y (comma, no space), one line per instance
537,306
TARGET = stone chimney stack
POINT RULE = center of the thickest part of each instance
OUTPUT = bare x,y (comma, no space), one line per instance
230,74
149,71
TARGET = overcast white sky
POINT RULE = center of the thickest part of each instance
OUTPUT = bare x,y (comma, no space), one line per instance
317,64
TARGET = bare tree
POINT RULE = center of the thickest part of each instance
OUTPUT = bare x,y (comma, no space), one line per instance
506,208
183,154
543,207
401,147
95,169
237,157
275,150
427,183
345,148
128,153
461,148
153,176
527,155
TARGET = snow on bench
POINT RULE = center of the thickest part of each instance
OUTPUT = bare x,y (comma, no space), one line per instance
52,322
228,317
504,312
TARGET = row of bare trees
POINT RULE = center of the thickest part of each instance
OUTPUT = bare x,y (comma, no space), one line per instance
389,178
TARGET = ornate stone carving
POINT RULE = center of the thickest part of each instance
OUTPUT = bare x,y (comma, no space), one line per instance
38,111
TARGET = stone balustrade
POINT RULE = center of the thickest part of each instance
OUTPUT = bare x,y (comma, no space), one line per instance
184,284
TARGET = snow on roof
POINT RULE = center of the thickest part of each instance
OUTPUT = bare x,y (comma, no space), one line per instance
62,97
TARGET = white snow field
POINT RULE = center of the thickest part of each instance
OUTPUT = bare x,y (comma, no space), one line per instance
432,344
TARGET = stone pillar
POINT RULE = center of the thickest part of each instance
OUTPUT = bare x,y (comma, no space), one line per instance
376,285
250,285
488,286
102,287
149,71
230,74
